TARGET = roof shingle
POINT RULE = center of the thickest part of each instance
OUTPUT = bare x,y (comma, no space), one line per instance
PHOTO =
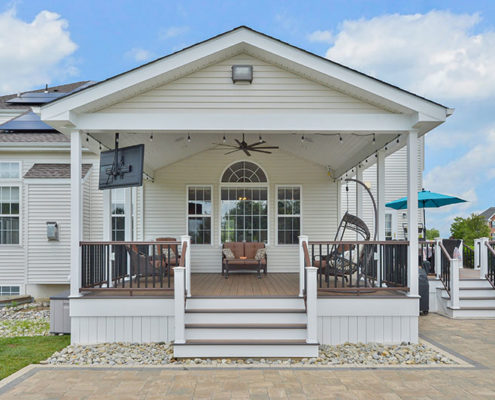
54,171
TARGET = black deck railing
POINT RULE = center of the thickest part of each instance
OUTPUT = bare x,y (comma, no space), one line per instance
491,263
360,265
445,260
427,255
467,256
129,265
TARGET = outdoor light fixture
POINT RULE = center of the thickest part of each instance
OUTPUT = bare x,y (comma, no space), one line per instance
242,73
261,139
340,138
151,137
302,139
188,138
224,139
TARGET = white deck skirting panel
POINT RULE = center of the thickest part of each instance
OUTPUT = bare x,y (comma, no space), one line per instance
135,320
367,320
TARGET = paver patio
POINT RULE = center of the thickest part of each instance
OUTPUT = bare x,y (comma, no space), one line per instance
469,339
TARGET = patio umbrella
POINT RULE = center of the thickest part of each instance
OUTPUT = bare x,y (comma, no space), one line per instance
426,199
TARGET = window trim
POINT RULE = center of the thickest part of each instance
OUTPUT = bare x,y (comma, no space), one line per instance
19,178
4,183
277,215
212,230
243,183
124,215
394,224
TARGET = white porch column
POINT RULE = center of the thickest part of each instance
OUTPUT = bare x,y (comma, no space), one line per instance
483,257
179,305
302,266
438,257
412,211
311,305
75,213
380,194
187,262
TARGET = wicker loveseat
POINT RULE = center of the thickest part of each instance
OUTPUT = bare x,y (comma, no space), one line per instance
244,258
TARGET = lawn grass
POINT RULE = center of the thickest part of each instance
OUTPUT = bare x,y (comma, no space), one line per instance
17,352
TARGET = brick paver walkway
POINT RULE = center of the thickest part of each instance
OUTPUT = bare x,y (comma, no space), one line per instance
472,339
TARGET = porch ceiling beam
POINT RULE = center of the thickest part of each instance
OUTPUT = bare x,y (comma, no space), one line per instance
244,121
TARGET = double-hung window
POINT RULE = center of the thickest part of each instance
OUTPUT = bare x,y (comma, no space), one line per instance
288,214
9,203
118,215
199,214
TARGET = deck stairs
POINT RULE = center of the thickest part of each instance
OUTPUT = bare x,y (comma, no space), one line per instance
476,299
245,327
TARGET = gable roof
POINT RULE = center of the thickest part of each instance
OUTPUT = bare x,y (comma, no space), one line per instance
30,137
244,39
53,171
488,213
269,37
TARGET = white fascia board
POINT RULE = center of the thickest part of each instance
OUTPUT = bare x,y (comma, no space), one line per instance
200,55
242,121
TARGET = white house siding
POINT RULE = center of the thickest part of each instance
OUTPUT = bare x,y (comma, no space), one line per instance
33,261
165,203
273,88
48,260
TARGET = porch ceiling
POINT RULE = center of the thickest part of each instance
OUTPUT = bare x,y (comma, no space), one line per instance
325,149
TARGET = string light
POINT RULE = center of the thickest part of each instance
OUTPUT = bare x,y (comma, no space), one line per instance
302,139
374,138
340,138
188,138
151,137
224,139
261,139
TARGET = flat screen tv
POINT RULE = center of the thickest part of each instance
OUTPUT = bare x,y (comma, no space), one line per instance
122,167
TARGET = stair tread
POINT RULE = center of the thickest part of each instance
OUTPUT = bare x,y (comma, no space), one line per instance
245,310
244,342
478,298
470,288
473,308
246,326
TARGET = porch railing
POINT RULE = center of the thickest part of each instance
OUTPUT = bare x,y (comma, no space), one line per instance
467,256
445,261
359,265
427,255
130,266
491,262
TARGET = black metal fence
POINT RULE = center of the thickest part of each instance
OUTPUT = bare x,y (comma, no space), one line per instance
491,263
445,260
467,256
360,264
128,265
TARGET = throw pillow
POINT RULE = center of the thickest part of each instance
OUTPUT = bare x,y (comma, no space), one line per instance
260,254
228,254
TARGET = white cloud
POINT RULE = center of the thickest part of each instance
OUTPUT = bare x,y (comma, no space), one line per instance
139,54
434,54
173,31
34,53
321,36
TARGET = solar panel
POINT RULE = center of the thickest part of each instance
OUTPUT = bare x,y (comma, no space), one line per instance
35,98
26,122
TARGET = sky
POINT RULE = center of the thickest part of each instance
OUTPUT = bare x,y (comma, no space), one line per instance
443,50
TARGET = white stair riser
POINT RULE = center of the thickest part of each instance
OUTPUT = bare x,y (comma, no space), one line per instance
241,303
476,303
245,318
472,293
210,351
481,283
460,313
244,334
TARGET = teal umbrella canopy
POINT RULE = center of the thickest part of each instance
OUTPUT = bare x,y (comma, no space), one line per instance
426,199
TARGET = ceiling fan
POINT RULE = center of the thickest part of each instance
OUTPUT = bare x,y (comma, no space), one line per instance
246,148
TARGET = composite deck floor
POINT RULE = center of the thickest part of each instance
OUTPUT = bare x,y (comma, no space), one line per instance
238,285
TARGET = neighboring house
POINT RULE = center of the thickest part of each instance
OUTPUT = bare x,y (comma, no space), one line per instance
489,216
326,120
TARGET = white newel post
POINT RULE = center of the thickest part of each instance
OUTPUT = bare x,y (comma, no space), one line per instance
454,283
483,257
75,213
461,254
477,243
180,302
412,211
311,304
302,266
187,263
438,257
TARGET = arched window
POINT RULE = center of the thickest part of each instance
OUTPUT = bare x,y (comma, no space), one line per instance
244,172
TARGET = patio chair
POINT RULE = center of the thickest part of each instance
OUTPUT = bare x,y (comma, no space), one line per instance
341,261
170,253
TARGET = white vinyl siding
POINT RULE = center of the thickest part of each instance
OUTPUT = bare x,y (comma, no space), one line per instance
165,209
273,88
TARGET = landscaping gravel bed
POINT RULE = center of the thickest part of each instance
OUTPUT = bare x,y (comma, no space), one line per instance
31,319
162,354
